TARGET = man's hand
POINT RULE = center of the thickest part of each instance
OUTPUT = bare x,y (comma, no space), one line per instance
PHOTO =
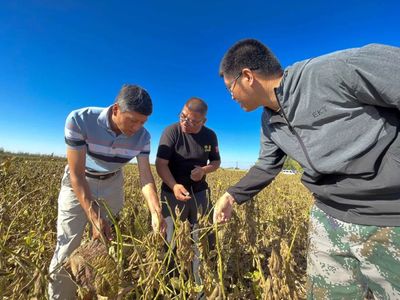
76,163
100,227
197,173
158,223
181,193
223,208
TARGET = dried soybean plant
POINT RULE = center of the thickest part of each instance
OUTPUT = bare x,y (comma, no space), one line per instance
259,254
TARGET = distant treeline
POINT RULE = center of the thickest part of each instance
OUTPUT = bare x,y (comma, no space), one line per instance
290,163
5,153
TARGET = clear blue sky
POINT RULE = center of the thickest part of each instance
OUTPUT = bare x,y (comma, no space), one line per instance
57,56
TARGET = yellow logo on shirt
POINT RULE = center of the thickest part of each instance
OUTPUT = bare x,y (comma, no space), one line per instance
207,148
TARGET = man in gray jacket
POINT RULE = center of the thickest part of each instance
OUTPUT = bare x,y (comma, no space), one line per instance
338,116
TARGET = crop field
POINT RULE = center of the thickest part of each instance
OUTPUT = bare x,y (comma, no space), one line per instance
259,254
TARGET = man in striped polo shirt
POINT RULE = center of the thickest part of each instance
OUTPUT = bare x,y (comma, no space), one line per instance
100,141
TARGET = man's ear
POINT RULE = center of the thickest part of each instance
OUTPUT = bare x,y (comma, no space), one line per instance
115,109
248,75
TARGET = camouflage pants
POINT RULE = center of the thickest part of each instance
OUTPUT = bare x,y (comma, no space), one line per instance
346,260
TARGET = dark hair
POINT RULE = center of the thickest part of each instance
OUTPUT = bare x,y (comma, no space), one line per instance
252,54
134,98
196,104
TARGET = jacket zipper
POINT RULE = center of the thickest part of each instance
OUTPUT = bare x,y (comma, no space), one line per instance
303,147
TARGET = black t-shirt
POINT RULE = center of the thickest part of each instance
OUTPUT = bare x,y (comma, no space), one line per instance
184,151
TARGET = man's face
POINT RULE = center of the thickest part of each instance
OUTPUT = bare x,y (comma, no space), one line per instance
190,121
128,122
241,90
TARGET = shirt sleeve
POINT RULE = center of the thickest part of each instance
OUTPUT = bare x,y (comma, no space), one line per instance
166,145
376,73
74,132
145,150
268,165
214,153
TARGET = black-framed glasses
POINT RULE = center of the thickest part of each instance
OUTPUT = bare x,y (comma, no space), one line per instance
183,118
232,84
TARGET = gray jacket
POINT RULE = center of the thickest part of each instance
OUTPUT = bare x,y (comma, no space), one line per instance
339,119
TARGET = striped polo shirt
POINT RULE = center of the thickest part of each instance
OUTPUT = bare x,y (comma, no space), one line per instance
106,152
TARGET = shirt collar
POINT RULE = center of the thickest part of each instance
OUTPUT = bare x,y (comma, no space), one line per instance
274,116
103,119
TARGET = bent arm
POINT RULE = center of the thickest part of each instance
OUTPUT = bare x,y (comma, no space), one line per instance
212,166
76,163
148,186
165,173
268,165
255,180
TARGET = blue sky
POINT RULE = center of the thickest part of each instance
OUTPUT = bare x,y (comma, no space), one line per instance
57,56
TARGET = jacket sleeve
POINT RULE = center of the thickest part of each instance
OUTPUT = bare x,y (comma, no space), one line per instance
268,165
376,71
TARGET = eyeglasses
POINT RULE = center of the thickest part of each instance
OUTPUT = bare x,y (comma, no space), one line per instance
232,84
183,118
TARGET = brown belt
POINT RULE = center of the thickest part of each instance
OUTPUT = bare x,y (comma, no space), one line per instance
100,177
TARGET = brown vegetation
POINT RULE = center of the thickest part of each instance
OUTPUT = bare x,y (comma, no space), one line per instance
260,253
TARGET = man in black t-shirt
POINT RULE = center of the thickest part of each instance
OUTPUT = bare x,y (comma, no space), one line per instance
187,152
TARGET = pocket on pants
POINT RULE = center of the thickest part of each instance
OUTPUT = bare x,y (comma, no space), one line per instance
68,203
